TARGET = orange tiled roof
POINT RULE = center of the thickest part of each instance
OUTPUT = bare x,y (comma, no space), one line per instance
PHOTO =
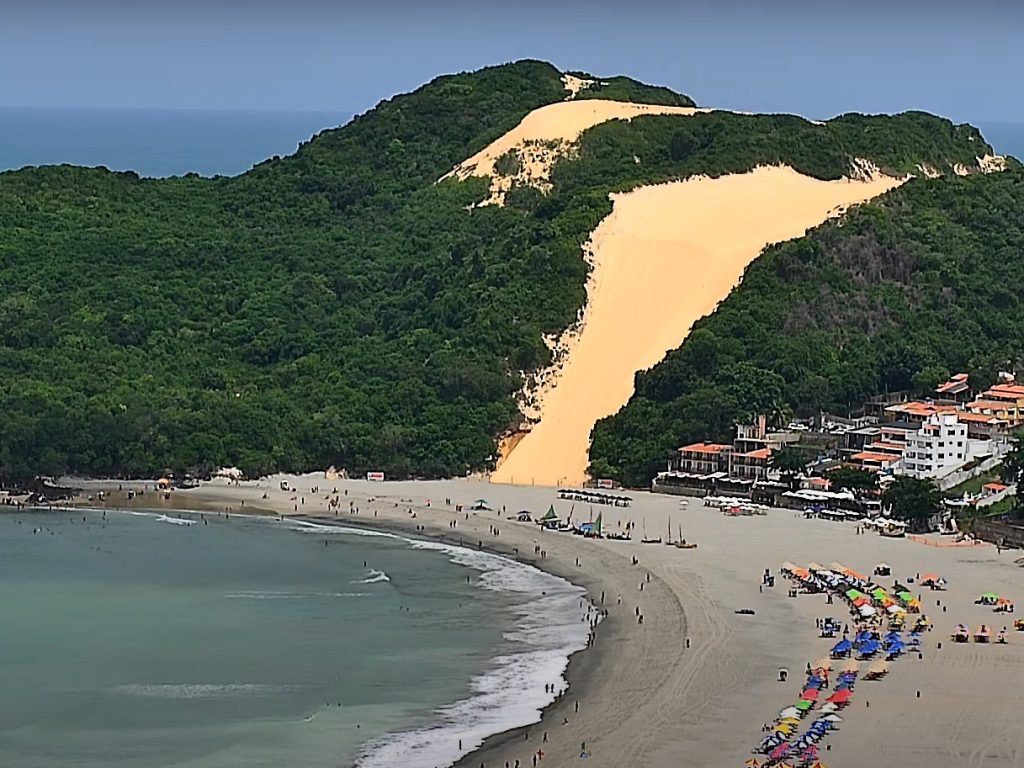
1015,391
978,417
760,453
994,487
708,448
993,404
917,408
884,458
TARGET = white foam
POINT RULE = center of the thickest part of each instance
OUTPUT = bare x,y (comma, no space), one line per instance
273,595
549,629
202,690
375,577
174,520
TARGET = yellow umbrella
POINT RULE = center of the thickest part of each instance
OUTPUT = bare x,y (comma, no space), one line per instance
790,721
752,763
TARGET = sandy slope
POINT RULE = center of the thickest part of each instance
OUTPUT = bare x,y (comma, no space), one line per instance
546,134
664,258
647,700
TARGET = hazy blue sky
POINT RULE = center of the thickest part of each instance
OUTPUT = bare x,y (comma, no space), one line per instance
960,59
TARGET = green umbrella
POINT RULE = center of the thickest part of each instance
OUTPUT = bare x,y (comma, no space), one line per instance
853,594
990,596
880,594
906,597
804,705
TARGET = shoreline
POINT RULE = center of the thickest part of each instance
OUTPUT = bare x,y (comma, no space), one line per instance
693,683
581,664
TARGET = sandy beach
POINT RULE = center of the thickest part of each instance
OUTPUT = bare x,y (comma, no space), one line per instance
693,684
665,257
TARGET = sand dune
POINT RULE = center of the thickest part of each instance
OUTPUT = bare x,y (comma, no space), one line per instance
664,258
546,134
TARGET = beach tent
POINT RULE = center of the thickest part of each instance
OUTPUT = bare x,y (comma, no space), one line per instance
841,696
480,505
841,648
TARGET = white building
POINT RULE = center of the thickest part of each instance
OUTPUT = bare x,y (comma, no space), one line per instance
938,448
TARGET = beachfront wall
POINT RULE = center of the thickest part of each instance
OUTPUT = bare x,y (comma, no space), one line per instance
996,532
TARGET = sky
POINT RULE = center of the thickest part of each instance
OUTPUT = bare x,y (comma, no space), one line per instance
817,59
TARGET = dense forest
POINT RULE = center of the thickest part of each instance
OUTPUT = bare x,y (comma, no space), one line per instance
339,306
927,280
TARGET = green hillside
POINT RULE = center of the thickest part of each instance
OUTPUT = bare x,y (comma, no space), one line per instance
928,279
340,306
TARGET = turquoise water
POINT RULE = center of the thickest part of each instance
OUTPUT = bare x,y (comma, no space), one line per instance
132,641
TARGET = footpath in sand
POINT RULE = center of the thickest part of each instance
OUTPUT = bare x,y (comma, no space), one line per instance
666,256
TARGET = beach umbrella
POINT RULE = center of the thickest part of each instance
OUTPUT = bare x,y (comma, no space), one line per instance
791,720
990,596
804,704
752,763
853,594
843,646
829,707
811,694
905,596
833,718
789,713
862,600
841,697
866,610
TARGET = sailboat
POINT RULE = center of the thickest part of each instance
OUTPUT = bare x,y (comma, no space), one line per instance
668,540
645,540
682,543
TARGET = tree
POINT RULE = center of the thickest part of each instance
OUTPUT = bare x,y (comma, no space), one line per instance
845,478
913,501
928,378
1013,462
789,462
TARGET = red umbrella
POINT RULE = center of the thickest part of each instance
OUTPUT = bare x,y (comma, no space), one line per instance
841,696
811,694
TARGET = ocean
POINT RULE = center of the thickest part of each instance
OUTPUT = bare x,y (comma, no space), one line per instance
155,142
1005,137
175,142
133,639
